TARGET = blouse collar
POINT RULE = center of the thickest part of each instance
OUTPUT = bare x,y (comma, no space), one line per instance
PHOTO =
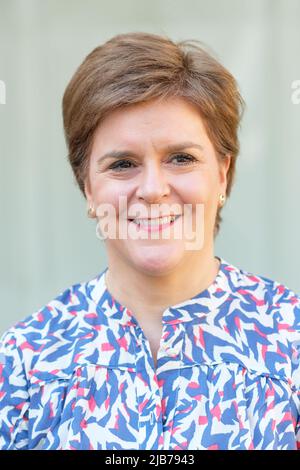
202,303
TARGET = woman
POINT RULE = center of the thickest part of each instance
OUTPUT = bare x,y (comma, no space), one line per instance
170,347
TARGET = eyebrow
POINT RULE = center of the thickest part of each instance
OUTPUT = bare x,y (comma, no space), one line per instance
117,154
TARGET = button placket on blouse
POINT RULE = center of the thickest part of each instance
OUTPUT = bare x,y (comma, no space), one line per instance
147,391
170,360
171,351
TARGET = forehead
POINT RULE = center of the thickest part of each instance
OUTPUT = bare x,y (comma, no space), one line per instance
162,121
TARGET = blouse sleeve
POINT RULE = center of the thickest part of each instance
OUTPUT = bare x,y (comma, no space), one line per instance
298,426
296,365
296,403
296,370
295,327
14,397
290,305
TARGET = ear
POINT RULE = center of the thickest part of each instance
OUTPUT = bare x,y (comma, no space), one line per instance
87,190
224,168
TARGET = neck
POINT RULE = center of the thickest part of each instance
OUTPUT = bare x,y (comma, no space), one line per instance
147,296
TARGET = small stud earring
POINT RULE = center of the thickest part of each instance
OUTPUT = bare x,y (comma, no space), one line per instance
91,212
222,200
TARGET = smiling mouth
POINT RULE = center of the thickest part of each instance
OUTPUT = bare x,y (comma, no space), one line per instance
155,223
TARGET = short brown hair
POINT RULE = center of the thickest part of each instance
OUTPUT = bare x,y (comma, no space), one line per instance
138,67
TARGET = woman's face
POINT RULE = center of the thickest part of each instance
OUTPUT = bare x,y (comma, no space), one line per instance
151,175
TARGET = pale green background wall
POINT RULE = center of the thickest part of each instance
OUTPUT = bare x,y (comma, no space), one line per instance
46,241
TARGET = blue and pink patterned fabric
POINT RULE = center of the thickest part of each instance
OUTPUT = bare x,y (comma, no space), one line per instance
79,374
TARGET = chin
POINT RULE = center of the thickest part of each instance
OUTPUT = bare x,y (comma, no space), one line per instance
156,261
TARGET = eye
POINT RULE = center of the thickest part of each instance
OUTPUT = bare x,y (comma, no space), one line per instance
124,164
187,159
120,164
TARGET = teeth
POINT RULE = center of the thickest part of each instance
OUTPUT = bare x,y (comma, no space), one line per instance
155,222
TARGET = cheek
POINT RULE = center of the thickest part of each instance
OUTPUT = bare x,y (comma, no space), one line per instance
198,187
108,192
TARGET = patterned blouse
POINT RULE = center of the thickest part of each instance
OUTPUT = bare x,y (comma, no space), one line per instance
79,374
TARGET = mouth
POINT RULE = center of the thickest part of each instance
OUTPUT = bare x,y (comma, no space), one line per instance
155,224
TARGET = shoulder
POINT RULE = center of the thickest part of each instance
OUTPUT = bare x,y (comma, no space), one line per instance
53,328
269,316
264,295
64,308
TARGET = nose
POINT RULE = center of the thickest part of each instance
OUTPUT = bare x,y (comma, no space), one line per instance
153,184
